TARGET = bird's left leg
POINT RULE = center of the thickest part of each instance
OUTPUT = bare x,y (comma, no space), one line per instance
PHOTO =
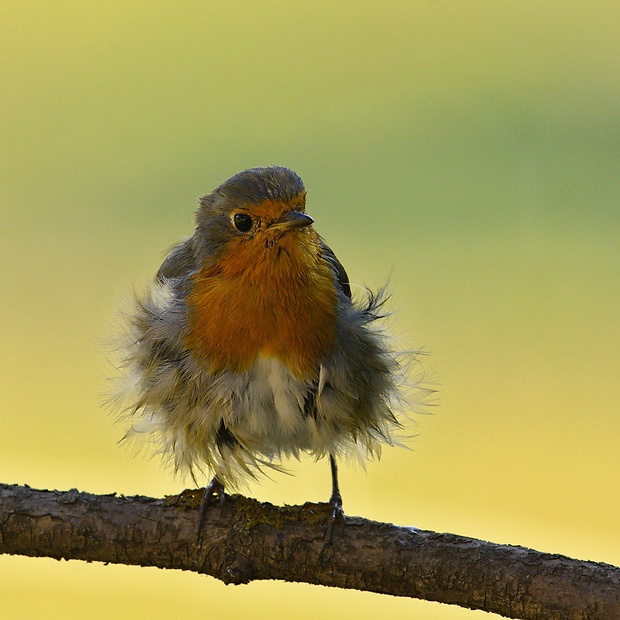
335,502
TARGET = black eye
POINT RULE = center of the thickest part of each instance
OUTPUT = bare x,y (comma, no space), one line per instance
243,222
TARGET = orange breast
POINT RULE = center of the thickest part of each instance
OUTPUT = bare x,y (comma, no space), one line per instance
277,300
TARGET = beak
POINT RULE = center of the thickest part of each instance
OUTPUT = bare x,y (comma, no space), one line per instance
292,220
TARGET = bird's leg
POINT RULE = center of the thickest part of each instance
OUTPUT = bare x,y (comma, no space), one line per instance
335,502
215,487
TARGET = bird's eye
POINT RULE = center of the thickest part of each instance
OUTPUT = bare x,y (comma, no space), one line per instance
243,222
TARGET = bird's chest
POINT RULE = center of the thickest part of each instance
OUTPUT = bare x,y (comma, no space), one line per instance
275,308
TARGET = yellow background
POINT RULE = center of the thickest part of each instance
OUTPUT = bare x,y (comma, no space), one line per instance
467,150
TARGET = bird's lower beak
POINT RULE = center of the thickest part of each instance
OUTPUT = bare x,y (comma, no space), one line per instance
293,219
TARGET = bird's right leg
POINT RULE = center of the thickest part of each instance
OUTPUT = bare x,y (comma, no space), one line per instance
215,487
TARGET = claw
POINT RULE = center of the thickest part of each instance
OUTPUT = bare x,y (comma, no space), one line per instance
335,501
215,487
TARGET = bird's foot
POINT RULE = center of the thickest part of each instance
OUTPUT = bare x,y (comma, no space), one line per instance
336,515
214,488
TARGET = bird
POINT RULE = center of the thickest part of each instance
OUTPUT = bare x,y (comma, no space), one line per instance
249,348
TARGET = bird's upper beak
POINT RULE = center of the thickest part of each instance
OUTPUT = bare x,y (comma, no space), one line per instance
292,220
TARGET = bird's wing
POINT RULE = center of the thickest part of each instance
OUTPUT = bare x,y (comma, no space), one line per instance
343,282
339,270
180,262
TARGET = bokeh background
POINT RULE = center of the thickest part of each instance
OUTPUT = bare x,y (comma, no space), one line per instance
469,151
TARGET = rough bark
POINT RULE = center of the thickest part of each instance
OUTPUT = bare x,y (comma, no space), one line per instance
244,540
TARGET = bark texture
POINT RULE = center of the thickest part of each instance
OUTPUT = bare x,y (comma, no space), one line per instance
244,540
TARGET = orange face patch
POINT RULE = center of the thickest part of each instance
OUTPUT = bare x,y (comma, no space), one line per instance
270,293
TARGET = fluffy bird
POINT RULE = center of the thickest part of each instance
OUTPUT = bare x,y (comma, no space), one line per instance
248,347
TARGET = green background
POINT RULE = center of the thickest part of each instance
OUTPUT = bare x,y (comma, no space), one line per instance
469,151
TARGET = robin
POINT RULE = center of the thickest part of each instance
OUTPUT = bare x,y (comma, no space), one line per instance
249,348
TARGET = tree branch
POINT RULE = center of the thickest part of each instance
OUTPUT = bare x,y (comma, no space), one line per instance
246,540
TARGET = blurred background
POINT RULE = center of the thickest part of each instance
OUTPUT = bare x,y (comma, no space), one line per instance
469,152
